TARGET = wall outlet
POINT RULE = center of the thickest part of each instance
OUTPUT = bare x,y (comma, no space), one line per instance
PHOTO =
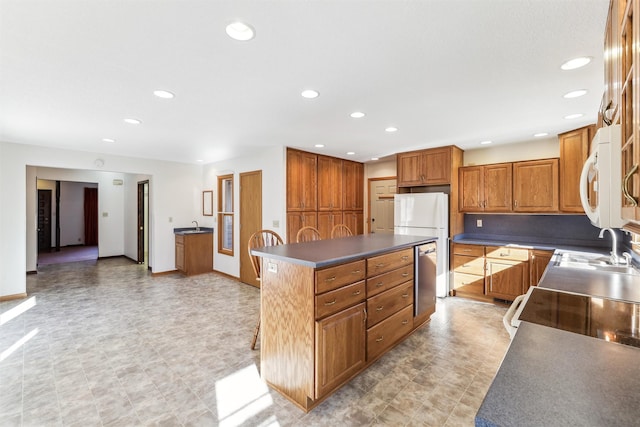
105,214
272,268
276,223
170,219
479,223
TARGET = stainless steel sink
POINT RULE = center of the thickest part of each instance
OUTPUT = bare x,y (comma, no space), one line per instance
192,231
589,261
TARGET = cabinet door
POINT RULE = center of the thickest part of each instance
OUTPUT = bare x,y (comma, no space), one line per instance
180,257
355,221
437,166
539,261
471,194
329,183
297,220
505,278
574,150
410,169
326,222
301,181
497,187
535,186
340,348
353,186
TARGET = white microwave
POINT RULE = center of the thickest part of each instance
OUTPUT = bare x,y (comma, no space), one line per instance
601,180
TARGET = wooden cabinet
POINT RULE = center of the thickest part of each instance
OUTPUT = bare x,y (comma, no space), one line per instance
326,222
297,220
301,181
354,220
507,272
467,266
424,167
538,264
535,186
194,253
574,150
485,188
352,186
329,183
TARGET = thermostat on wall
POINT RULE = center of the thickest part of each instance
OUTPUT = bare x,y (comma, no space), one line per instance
117,182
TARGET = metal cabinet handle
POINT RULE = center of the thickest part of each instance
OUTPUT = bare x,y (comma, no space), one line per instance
379,284
379,308
330,302
404,258
625,186
379,265
405,295
405,274
380,339
330,279
356,292
404,322
356,271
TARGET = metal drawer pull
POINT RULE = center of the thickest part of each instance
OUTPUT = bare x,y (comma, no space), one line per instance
355,271
404,322
404,258
466,250
503,254
330,279
379,308
379,265
356,292
625,186
379,284
380,339
405,274
331,302
405,295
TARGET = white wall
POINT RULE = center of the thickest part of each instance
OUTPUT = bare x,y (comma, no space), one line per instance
530,150
175,193
272,163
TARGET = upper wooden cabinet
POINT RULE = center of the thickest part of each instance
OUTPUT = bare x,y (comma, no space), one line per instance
329,183
574,150
302,181
535,186
424,167
352,185
485,188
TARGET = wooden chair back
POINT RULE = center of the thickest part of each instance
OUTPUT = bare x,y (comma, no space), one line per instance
260,239
307,234
340,230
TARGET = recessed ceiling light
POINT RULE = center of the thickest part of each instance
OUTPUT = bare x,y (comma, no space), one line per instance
485,142
350,153
538,135
391,129
310,93
575,93
199,160
319,145
573,116
357,114
108,140
240,31
574,63
375,158
132,121
163,94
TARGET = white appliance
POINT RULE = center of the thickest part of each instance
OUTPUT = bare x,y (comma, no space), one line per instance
600,180
426,214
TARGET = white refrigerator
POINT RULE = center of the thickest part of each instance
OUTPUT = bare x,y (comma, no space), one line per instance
426,214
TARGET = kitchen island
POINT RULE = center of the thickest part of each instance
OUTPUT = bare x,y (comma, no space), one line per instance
330,308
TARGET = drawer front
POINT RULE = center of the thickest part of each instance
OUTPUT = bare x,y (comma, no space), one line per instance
335,277
506,252
334,301
468,264
388,303
387,262
180,239
471,250
468,283
385,281
389,331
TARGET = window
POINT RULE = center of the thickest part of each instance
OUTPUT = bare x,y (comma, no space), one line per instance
225,214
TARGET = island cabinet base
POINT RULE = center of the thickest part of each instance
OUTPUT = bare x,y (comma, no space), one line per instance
320,327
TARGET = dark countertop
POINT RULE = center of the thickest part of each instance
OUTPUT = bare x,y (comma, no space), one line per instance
323,253
527,244
192,230
552,377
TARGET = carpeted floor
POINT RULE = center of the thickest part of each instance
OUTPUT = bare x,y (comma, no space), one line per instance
68,254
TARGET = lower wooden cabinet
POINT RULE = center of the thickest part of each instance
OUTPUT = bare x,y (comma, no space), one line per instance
194,253
340,347
539,261
388,332
297,220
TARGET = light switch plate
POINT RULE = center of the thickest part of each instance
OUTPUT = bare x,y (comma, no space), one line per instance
276,223
479,223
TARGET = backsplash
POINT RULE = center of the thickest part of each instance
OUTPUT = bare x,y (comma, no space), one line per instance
551,229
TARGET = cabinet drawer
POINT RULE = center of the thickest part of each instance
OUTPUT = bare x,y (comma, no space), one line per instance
385,281
471,250
468,283
180,239
389,302
334,277
468,264
506,252
334,301
387,262
389,331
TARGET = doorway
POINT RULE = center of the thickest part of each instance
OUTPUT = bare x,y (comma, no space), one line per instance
143,223
44,220
250,221
381,191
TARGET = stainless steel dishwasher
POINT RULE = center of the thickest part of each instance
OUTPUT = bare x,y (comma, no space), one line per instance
424,287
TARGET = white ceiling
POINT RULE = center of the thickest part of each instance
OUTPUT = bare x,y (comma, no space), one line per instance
442,71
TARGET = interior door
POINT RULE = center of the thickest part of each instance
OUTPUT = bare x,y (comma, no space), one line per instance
44,220
143,221
250,221
381,191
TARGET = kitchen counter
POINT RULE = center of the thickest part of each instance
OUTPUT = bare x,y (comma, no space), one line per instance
531,244
553,377
193,230
323,253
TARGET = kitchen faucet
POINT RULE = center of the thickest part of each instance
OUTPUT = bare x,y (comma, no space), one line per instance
198,228
614,245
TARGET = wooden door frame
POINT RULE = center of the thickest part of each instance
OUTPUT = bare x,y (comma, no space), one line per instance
44,191
369,181
243,258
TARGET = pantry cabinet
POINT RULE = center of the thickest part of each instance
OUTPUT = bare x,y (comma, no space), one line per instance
329,183
297,220
301,181
535,186
352,185
574,150
326,222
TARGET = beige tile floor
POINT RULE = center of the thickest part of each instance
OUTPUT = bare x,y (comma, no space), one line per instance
106,344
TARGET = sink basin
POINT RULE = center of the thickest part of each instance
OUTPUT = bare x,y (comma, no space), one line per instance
595,262
192,231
